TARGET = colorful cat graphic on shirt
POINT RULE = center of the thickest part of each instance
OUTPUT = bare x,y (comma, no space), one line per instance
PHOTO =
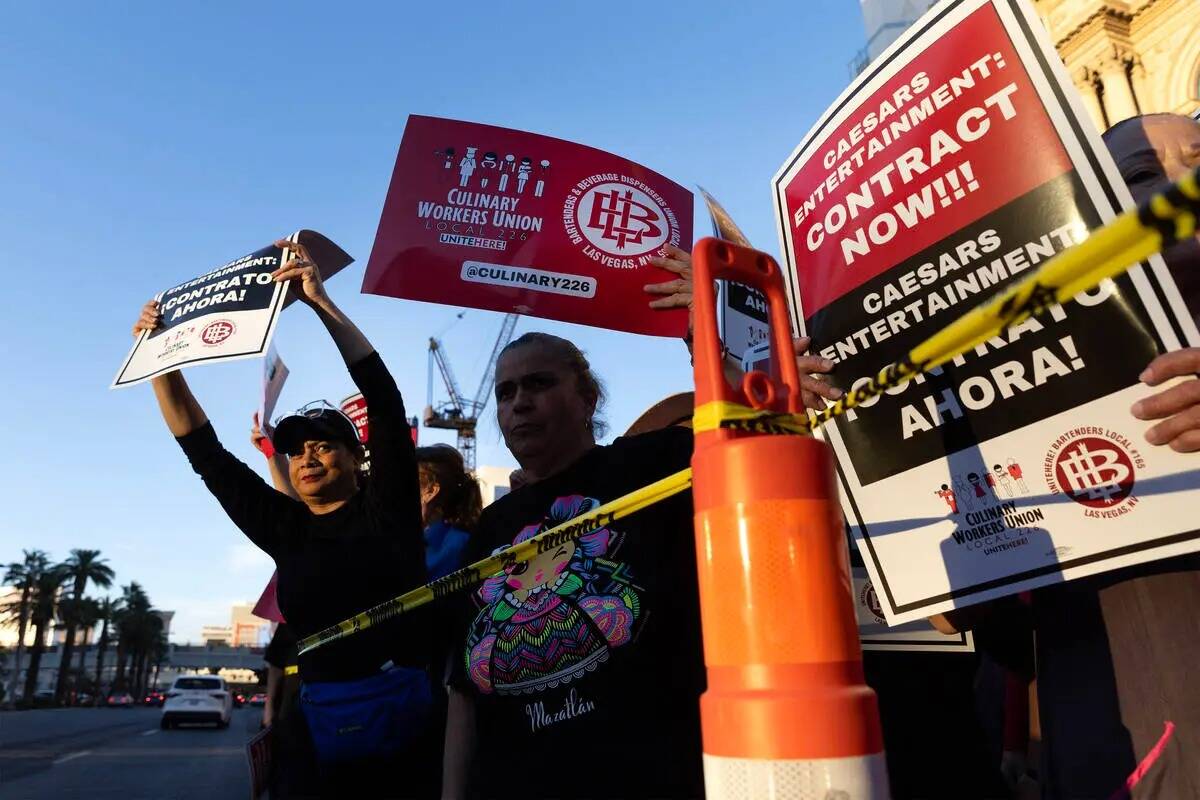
548,621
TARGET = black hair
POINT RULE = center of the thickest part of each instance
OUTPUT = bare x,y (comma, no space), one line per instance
458,500
590,387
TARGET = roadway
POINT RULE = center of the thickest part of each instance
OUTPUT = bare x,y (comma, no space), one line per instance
122,754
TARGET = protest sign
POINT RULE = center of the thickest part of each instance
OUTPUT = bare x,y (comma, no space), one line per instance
275,374
225,314
960,159
258,757
267,606
918,636
510,221
355,407
743,309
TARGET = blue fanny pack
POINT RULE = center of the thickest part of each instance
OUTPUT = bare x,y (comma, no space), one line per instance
373,716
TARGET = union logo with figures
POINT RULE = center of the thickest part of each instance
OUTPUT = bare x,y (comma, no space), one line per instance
1097,468
217,331
621,222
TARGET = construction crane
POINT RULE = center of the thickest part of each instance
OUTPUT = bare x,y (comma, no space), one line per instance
458,413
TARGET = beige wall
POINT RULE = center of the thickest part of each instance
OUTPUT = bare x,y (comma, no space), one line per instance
1127,56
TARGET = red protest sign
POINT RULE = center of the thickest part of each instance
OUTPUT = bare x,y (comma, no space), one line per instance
511,221
267,606
932,148
355,407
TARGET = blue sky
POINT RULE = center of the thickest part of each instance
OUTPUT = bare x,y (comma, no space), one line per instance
140,148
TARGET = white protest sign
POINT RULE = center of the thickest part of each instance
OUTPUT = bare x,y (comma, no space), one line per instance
960,160
226,314
275,374
917,636
742,309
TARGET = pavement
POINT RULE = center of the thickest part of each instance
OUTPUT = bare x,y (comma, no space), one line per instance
103,753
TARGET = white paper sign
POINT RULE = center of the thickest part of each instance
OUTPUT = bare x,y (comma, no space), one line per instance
953,167
226,314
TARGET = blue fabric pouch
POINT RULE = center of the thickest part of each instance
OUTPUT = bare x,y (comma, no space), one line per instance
374,716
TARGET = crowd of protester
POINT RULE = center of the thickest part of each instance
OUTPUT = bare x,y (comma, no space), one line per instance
578,672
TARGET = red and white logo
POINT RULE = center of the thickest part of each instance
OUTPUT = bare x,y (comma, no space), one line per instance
1095,467
620,221
870,601
217,331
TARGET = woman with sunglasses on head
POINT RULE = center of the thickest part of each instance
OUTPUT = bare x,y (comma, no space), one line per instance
340,548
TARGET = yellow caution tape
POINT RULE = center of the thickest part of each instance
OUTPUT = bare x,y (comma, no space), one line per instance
1134,236
723,414
474,574
1131,238
291,670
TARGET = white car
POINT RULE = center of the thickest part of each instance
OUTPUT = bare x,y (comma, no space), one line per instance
198,698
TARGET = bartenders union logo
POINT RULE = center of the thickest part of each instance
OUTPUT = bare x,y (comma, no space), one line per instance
619,221
217,331
1097,468
870,601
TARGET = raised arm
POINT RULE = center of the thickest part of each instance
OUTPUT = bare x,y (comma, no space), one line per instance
260,437
179,408
254,507
393,459
309,289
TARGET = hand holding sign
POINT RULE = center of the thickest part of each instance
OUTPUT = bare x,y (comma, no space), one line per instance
813,390
678,292
149,319
229,312
1180,404
299,267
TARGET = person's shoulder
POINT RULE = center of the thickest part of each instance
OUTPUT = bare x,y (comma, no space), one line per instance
672,441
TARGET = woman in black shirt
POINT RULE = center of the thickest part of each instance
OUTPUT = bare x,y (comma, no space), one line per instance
339,548
579,673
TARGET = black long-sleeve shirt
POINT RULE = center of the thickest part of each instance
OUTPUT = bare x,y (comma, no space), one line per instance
332,566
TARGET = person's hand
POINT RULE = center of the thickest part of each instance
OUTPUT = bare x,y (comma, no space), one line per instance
1179,406
260,437
302,271
149,320
676,293
813,390
517,478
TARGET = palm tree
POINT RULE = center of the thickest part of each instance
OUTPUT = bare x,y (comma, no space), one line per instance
107,612
81,567
46,591
87,616
22,576
135,606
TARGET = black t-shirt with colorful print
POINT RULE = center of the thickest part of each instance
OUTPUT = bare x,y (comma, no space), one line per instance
586,663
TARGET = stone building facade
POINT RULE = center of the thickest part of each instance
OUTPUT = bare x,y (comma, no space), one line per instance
1129,57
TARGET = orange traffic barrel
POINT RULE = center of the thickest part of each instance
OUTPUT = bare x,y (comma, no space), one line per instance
787,713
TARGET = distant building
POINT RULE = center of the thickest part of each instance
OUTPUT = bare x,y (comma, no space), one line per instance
885,20
8,633
1128,57
248,630
166,617
217,634
493,483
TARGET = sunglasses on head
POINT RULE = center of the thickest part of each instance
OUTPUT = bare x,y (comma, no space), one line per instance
315,410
